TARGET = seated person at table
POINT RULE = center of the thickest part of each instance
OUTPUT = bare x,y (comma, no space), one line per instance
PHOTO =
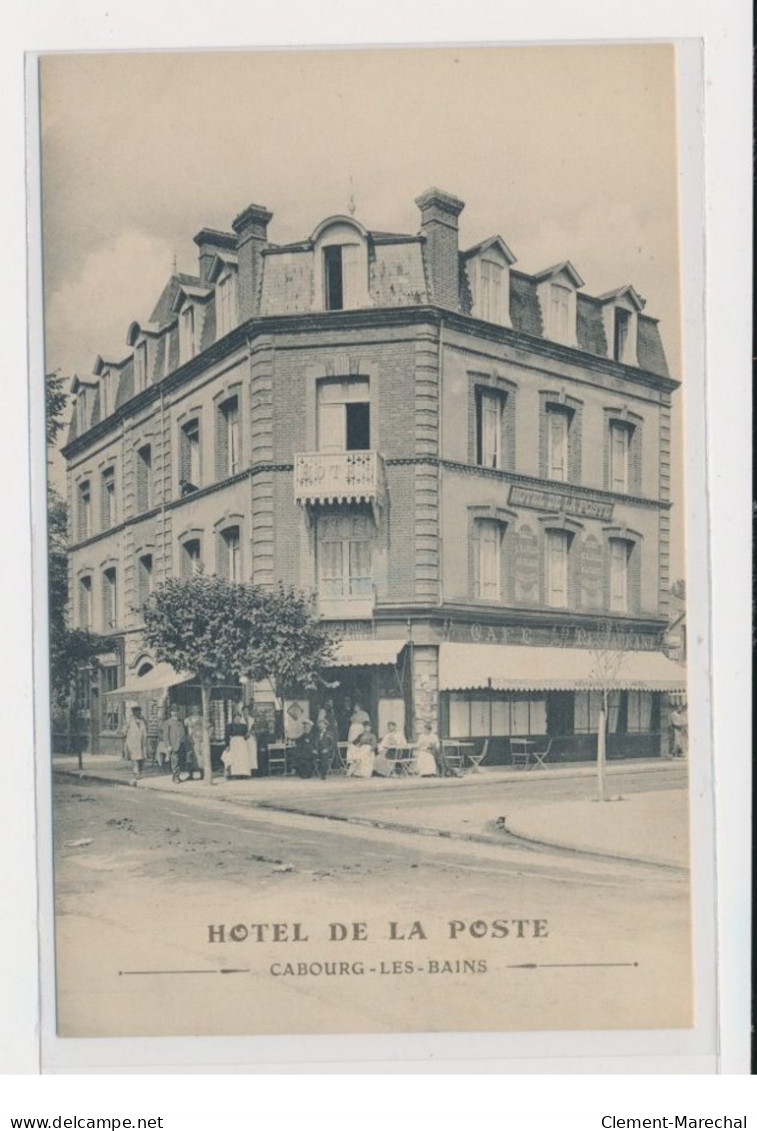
358,719
361,754
427,753
389,749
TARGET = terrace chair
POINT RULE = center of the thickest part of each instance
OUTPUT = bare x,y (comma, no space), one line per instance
452,759
477,759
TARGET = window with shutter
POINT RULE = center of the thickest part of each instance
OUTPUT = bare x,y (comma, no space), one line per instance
491,291
190,454
619,554
85,602
227,439
557,569
187,334
226,304
620,448
144,478
230,556
489,409
110,610
345,556
144,578
344,414
191,559
140,367
489,544
559,298
108,498
85,510
558,425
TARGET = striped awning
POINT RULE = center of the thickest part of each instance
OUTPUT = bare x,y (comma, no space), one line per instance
465,667
365,653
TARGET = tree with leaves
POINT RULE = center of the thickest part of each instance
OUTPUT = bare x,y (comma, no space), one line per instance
221,630
70,649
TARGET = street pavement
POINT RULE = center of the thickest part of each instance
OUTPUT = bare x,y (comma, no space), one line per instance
645,818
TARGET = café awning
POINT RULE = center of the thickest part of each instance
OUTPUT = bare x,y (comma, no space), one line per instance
366,653
466,667
158,678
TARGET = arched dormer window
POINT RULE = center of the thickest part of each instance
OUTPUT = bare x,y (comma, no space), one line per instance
340,250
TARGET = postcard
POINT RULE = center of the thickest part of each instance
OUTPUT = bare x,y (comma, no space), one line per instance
368,618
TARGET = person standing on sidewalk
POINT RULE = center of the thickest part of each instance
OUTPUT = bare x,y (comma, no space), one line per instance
323,745
195,728
174,735
135,740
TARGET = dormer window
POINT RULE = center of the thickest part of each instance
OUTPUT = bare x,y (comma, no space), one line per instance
140,367
559,311
488,269
556,288
340,261
106,406
81,411
226,304
620,311
186,334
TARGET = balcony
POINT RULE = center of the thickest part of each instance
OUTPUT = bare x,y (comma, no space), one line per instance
339,477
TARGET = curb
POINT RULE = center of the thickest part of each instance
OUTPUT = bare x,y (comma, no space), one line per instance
635,858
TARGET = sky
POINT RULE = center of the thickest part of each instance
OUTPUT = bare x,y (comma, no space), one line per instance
566,152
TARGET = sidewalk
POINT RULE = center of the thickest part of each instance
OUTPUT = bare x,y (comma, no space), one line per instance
648,827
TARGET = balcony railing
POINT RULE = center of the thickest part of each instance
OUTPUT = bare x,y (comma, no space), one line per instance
339,477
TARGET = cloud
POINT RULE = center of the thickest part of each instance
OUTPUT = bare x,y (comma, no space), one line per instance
89,313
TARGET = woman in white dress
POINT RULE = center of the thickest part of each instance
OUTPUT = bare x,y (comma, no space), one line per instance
361,754
386,755
427,752
236,756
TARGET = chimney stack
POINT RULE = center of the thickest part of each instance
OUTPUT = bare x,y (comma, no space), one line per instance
439,213
251,227
209,243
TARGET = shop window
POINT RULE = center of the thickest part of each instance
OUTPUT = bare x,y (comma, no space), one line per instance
84,508
226,304
586,708
189,471
480,716
111,711
490,405
85,602
144,478
110,601
227,438
108,498
344,414
230,554
639,716
191,557
557,555
344,556
144,578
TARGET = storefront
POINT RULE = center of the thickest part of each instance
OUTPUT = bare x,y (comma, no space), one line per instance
373,673
501,692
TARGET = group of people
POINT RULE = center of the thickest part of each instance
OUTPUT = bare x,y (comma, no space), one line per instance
180,745
316,749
